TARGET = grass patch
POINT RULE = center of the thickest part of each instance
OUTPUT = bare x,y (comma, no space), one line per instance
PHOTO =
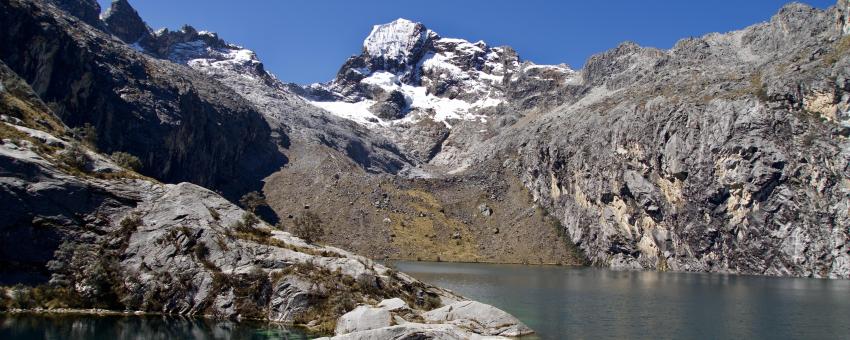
248,229
428,231
126,160
31,112
342,293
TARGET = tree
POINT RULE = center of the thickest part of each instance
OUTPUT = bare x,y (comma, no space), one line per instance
309,227
252,200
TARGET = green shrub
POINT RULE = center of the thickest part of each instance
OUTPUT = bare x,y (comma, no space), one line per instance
43,296
248,225
125,230
252,200
86,134
75,157
309,227
126,160
4,300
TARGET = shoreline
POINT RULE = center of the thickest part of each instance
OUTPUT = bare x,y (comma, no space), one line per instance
109,312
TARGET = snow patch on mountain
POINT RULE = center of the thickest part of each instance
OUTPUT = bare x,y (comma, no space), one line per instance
417,99
357,112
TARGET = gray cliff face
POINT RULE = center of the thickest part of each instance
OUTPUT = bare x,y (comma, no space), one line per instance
85,10
728,153
105,237
174,119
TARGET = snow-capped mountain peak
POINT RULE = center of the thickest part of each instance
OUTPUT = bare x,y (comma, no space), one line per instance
397,40
407,73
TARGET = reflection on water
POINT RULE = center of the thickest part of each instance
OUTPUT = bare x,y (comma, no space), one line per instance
585,303
30,326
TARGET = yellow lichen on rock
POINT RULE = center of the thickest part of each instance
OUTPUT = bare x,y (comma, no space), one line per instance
672,191
555,189
822,103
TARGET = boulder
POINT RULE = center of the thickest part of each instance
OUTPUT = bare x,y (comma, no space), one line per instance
485,210
479,318
414,331
363,318
393,304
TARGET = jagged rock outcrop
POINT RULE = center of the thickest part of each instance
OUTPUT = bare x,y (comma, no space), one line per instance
123,21
102,236
443,79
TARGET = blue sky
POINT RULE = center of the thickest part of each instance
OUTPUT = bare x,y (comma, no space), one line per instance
307,41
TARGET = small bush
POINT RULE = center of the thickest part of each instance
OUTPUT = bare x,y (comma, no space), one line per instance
43,296
4,300
248,226
125,230
309,227
252,200
86,134
126,160
75,157
129,224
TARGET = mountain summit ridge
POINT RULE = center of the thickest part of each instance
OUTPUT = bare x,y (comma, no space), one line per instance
408,72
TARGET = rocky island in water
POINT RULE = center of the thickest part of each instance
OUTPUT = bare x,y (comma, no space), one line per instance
169,173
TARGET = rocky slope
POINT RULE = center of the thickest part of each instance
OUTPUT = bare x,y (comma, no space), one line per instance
103,236
175,120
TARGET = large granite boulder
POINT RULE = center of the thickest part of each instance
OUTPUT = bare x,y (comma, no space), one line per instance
363,318
479,318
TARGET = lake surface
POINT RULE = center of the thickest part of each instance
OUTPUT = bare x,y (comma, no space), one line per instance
557,302
586,303
65,326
